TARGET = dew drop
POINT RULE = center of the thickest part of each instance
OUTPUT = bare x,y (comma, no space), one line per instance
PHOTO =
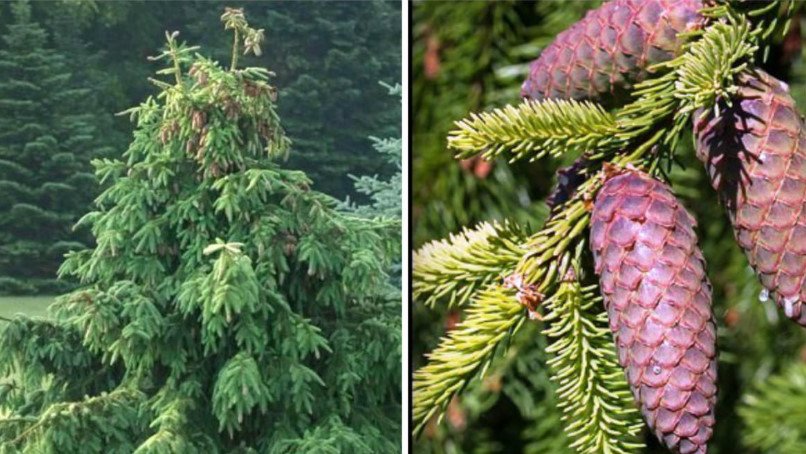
789,306
764,296
656,369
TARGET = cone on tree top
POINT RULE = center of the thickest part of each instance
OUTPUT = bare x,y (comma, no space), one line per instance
755,154
658,300
603,55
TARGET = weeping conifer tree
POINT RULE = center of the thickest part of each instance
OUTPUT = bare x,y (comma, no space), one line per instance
226,306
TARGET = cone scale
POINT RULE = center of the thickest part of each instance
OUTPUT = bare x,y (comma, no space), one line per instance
601,56
755,155
658,299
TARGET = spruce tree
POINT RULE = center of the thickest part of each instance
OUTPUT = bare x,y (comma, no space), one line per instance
384,195
328,56
348,47
227,307
47,137
99,90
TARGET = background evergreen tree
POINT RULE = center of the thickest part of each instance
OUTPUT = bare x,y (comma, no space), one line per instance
335,56
384,195
64,22
227,307
385,201
329,56
477,61
47,136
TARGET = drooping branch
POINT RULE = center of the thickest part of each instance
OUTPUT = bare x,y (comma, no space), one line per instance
120,398
599,412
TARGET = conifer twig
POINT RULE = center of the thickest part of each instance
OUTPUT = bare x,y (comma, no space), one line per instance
455,268
465,353
592,390
701,76
533,129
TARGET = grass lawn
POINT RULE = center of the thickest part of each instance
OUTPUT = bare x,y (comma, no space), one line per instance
30,305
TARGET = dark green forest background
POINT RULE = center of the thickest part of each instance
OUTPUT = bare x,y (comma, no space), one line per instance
473,56
67,66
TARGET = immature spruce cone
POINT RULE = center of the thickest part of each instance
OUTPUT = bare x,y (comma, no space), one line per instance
610,49
755,153
569,179
658,300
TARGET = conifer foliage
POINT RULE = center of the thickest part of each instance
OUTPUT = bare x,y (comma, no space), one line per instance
226,307
384,194
661,318
47,138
